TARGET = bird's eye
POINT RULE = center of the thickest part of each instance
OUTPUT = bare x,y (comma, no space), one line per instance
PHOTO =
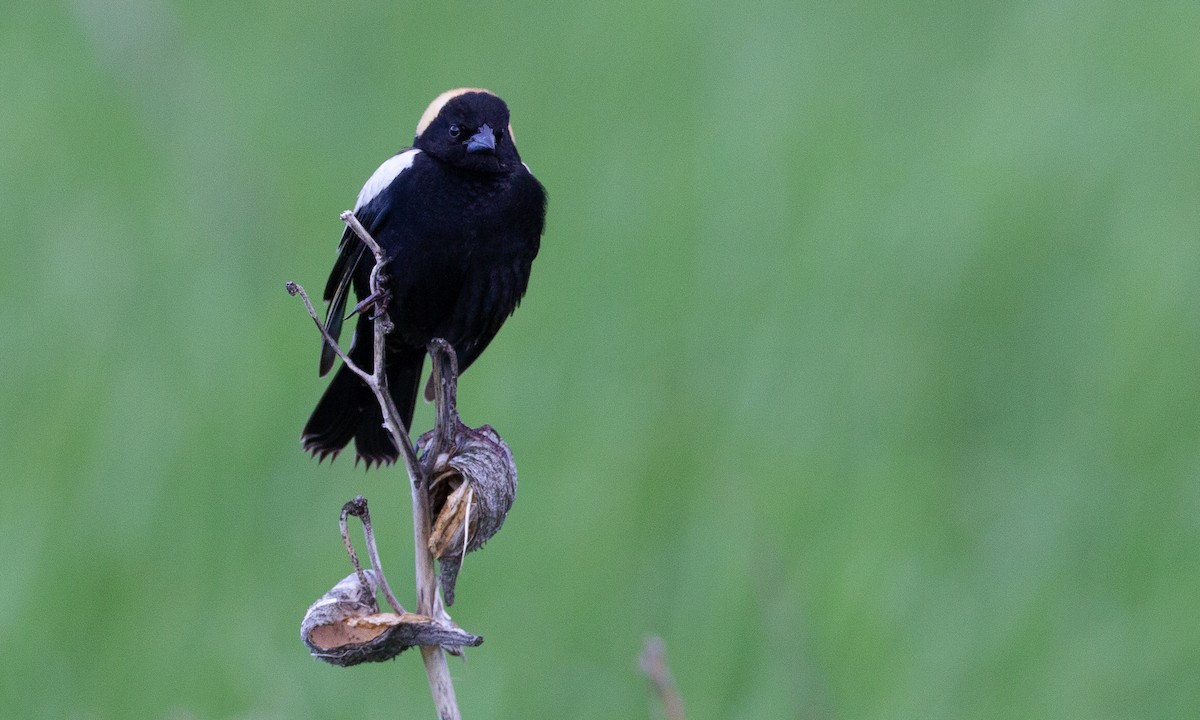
455,131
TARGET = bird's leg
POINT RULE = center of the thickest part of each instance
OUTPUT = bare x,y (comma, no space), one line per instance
378,299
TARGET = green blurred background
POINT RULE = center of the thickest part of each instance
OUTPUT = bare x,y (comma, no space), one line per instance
860,361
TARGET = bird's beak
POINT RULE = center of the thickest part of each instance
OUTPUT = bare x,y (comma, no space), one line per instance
483,141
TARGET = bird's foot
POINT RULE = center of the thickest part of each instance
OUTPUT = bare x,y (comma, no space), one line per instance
376,302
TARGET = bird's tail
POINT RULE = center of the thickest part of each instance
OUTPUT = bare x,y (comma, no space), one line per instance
348,409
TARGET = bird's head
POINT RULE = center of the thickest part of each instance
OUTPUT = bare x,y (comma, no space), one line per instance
468,128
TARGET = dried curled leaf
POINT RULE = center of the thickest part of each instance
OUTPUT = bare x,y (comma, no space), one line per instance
471,491
345,628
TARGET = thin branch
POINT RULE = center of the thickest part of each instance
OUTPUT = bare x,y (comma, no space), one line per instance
653,662
362,578
358,508
445,386
351,219
297,289
437,671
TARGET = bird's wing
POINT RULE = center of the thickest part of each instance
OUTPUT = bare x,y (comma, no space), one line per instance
350,253
351,249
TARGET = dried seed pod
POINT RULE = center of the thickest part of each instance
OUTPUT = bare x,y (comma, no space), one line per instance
471,490
345,628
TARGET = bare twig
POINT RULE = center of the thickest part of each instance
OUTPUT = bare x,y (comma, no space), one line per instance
437,671
358,571
445,386
351,219
653,662
358,508
298,289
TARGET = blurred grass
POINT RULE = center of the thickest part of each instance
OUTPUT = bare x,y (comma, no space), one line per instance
859,362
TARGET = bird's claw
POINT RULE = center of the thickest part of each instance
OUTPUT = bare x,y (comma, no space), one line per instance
376,302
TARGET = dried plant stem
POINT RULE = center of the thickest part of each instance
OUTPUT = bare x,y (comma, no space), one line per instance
362,579
358,508
437,670
445,386
653,662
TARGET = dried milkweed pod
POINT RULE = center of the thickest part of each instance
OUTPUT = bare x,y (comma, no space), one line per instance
345,626
471,490
472,479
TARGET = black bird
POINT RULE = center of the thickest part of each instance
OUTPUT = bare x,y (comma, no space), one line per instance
460,218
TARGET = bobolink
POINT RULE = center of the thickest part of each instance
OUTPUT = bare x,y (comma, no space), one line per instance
460,218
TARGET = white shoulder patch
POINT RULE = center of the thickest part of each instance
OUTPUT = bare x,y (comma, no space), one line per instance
384,176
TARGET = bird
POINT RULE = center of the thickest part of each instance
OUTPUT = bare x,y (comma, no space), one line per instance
460,219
